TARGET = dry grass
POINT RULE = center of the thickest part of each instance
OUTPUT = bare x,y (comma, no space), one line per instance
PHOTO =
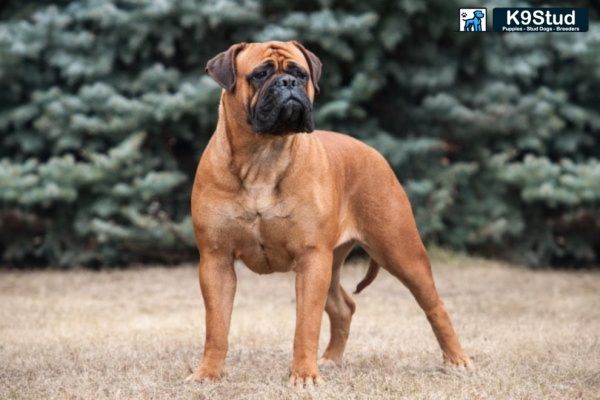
137,333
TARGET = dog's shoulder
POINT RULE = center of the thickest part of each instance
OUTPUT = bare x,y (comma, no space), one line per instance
335,142
352,155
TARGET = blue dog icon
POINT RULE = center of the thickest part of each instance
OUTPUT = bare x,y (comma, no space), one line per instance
474,24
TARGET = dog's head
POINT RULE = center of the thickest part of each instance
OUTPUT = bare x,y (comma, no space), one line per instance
478,14
274,83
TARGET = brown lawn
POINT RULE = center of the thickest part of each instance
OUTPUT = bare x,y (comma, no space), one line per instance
137,333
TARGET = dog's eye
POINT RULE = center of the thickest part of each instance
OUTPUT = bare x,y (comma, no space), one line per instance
260,75
300,75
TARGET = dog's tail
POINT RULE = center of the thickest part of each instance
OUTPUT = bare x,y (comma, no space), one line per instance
369,277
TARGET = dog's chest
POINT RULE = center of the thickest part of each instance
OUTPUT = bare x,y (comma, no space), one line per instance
267,220
261,202
261,228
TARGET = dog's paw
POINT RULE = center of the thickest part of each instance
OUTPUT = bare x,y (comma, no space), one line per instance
203,375
458,361
326,362
305,379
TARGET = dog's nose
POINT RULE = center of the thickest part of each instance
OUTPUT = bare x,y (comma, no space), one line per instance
287,81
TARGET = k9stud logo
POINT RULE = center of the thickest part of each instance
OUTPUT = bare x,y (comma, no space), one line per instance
472,19
541,19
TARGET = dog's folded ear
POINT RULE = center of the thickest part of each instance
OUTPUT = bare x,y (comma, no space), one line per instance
313,62
222,66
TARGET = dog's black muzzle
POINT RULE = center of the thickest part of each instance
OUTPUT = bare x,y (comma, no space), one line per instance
282,107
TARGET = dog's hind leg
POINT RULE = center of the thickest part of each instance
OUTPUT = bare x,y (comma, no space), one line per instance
411,265
392,239
339,308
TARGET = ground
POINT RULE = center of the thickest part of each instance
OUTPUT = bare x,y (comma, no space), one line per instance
137,333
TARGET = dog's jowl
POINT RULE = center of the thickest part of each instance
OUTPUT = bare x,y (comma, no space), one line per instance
277,195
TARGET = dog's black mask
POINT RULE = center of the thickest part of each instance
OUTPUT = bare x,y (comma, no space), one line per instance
282,104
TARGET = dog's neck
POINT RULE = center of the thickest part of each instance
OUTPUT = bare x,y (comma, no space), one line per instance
255,159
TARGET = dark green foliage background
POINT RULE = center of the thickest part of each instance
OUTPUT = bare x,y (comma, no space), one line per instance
105,110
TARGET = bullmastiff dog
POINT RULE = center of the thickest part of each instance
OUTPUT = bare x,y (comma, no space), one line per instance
278,196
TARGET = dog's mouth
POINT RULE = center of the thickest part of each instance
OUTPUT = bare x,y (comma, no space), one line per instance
291,110
280,111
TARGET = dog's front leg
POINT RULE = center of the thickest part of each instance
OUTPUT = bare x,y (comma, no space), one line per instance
313,277
217,283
